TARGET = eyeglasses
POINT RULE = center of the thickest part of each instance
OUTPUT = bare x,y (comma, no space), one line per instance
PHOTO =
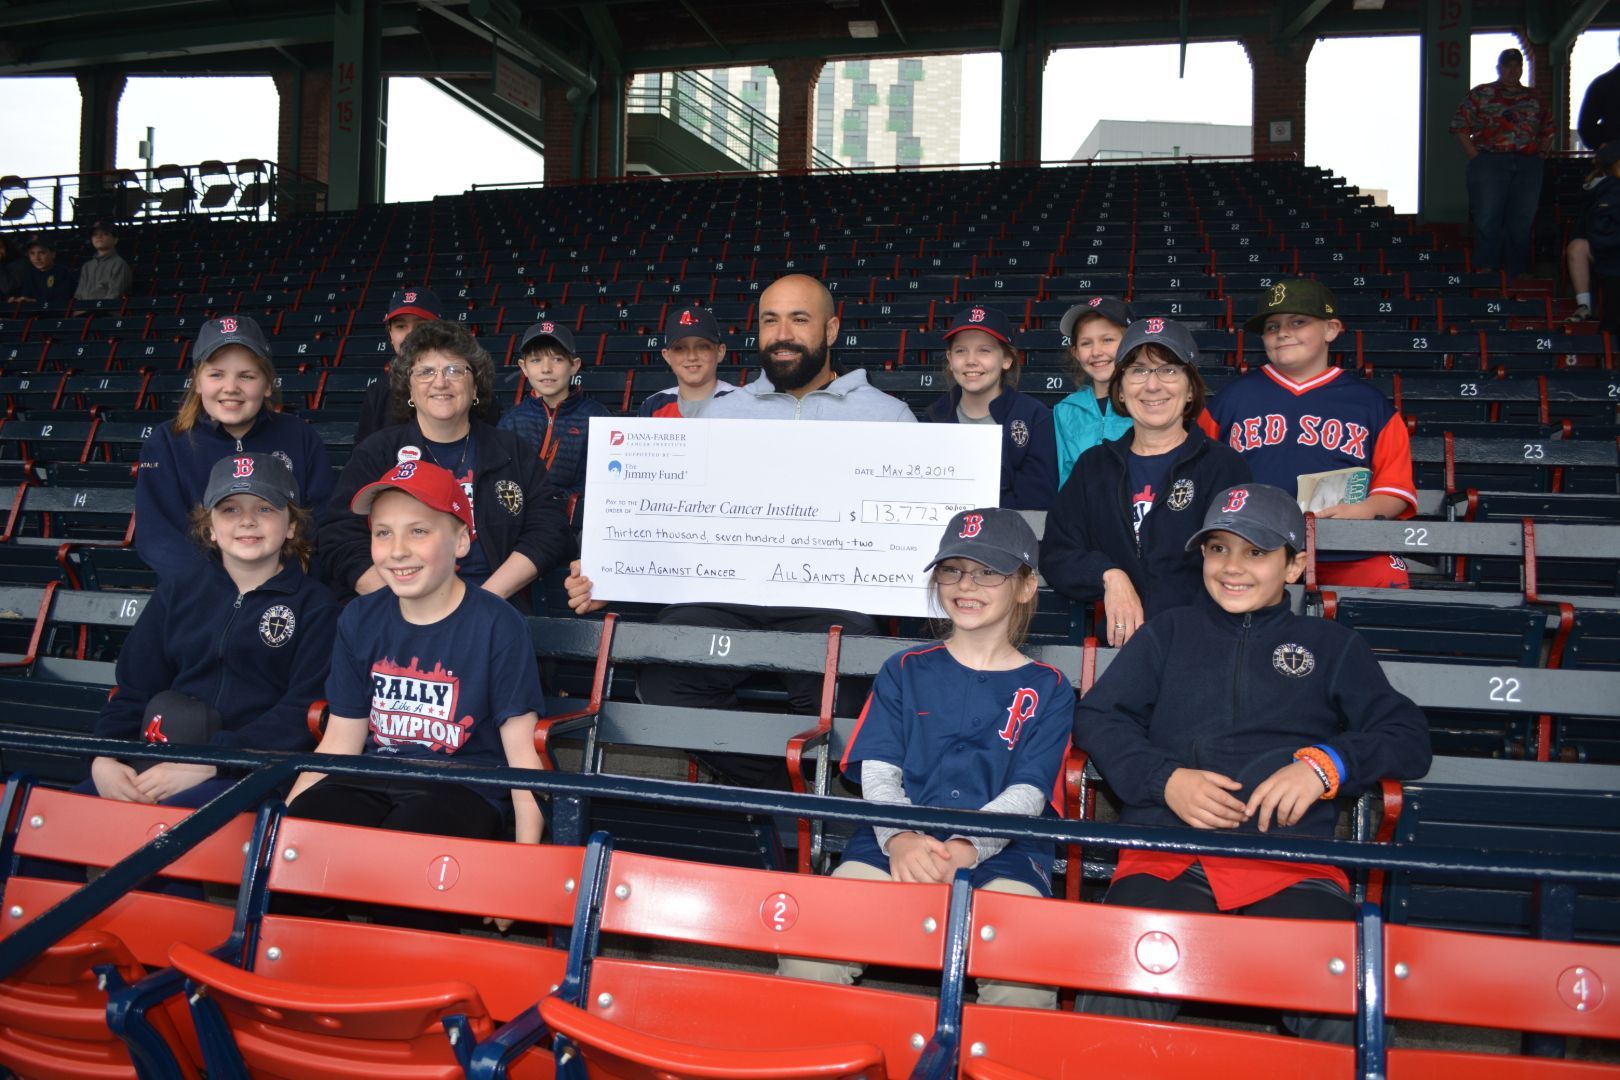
950,575
1170,373
451,373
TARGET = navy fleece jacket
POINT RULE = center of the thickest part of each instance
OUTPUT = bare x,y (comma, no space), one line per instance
174,474
1200,688
1088,529
1028,445
260,658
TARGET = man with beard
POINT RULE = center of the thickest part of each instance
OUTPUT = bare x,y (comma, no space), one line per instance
797,323
799,382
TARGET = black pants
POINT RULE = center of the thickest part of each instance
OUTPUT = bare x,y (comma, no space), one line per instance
404,805
1316,899
716,688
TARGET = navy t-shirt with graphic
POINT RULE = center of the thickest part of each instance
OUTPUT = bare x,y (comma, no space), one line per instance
440,691
1149,473
461,458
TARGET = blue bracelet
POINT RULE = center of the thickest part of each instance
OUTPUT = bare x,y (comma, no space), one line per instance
1338,762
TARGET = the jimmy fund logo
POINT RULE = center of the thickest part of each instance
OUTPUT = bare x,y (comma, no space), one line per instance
412,709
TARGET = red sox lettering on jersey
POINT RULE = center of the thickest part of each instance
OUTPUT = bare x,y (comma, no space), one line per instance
1347,437
1024,705
412,706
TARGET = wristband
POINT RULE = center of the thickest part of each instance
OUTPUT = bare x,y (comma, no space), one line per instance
1321,764
1333,756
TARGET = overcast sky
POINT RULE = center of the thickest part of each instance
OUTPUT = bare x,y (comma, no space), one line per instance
1369,136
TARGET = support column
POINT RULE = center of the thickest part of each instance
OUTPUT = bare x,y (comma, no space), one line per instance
100,89
1443,81
304,121
355,161
796,112
1548,79
1023,70
565,116
1278,110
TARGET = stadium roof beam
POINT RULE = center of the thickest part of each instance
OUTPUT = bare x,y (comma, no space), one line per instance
1009,23
1576,22
477,96
505,21
606,35
1293,22
60,10
894,22
185,38
704,26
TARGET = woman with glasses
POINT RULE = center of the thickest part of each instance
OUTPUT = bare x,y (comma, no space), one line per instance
1119,529
521,531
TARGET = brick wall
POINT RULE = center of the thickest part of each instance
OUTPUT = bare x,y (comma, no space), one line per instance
1279,93
796,120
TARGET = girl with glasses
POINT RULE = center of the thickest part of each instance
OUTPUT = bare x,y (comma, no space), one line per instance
970,723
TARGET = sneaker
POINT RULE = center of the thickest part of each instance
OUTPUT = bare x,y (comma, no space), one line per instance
1581,314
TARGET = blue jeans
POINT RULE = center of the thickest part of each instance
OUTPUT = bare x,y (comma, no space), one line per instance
1503,190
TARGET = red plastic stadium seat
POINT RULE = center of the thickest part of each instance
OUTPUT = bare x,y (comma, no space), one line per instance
646,1019
1269,963
336,1032
611,1051
53,1013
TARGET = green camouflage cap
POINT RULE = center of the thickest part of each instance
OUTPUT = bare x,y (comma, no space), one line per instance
1299,296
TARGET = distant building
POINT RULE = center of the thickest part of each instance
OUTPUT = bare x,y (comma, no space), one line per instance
1128,140
896,111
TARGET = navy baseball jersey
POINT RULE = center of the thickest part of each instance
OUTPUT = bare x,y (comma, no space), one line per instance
1286,429
960,738
440,691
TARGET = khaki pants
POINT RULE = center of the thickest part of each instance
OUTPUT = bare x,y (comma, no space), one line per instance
991,991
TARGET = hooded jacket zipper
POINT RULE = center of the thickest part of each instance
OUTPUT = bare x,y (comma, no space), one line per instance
1237,661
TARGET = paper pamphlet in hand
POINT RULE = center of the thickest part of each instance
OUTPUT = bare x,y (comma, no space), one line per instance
825,514
1318,491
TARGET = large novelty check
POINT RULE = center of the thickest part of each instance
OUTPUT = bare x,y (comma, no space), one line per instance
829,514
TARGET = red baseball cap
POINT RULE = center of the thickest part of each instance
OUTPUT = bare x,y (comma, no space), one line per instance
426,483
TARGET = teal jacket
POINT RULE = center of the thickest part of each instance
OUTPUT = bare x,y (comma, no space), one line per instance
1081,424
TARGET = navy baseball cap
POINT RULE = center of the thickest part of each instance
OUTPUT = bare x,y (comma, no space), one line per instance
978,317
39,240
1267,517
1114,310
108,227
242,330
1166,333
264,475
416,300
690,322
546,328
1000,539
173,717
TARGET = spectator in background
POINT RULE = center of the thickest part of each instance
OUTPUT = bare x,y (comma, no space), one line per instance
1086,417
42,282
693,350
107,276
11,264
1506,134
520,529
1600,110
1595,243
406,308
983,369
554,419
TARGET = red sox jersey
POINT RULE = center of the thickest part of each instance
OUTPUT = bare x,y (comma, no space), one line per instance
1285,429
961,737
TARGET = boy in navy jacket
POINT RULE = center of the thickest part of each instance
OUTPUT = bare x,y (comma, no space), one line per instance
1234,713
554,420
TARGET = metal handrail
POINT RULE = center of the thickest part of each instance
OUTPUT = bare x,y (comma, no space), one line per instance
707,109
137,196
